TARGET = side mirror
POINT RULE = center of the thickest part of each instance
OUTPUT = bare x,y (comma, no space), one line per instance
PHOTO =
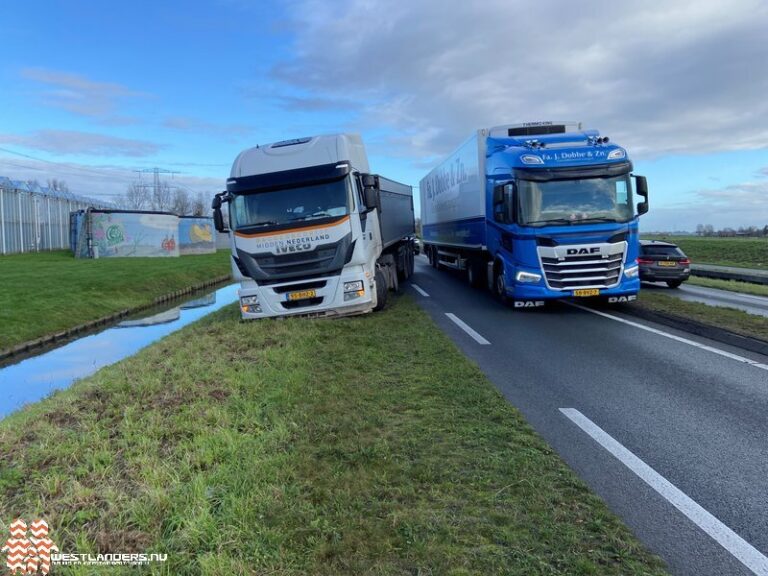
641,185
371,194
218,218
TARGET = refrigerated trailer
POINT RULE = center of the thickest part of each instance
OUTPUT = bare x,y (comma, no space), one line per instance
537,211
313,232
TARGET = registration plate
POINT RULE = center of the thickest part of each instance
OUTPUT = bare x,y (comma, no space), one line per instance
667,263
587,292
302,294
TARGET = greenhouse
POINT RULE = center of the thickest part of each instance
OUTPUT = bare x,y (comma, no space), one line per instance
35,218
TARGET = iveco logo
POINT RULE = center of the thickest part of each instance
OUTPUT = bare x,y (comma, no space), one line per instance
293,248
580,251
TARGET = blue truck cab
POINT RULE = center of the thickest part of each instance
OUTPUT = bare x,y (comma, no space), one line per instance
539,211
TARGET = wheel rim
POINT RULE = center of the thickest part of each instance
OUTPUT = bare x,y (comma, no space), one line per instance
500,287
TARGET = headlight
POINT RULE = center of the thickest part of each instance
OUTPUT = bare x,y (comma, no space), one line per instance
355,286
250,304
527,277
632,272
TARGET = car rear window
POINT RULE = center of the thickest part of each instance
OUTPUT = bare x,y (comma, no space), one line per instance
662,251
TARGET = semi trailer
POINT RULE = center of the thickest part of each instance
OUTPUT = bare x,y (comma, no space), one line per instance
312,231
537,211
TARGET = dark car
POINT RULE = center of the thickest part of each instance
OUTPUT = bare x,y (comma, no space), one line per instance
663,262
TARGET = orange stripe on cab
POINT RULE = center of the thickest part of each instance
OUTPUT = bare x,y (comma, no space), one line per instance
291,230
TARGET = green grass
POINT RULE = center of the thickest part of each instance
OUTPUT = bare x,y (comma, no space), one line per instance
365,445
48,292
730,285
740,252
728,318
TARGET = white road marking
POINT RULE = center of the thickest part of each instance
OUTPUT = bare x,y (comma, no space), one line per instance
742,550
460,323
693,343
420,290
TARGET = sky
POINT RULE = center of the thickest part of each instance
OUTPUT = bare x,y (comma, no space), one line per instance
96,92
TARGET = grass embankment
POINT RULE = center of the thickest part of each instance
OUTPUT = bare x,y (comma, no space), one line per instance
730,285
731,319
48,292
366,445
740,252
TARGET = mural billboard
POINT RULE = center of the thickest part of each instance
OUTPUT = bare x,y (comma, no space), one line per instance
196,235
133,234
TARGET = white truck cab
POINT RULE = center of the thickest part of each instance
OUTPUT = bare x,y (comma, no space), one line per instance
308,233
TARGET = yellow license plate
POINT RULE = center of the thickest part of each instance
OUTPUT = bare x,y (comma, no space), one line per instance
667,263
302,294
587,292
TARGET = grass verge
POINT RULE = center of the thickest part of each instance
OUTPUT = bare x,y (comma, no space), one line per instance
730,285
731,319
48,292
740,252
365,445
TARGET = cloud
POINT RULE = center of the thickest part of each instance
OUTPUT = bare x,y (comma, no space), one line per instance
731,206
74,142
658,78
104,181
82,96
188,124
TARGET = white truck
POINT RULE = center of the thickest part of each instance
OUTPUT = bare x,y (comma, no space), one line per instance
312,231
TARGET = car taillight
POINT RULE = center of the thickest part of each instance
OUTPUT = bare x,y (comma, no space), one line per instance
644,261
684,262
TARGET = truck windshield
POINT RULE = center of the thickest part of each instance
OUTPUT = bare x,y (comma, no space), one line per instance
288,206
564,202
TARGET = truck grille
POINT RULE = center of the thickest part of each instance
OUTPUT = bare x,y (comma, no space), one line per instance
582,266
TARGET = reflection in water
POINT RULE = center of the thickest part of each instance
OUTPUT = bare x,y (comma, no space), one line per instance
36,377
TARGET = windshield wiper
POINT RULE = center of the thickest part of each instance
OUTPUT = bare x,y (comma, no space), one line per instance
322,214
264,223
598,219
553,220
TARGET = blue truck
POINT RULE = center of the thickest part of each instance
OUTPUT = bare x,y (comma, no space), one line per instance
537,211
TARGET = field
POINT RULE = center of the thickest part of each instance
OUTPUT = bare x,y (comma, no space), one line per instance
731,319
47,292
741,252
365,445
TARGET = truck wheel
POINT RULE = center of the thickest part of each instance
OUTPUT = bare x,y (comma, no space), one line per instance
433,257
381,290
473,274
499,285
402,265
411,262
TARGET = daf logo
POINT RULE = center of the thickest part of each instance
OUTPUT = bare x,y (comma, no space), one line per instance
622,299
583,251
293,248
528,303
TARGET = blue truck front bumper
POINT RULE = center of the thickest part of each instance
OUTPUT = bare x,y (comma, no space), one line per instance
537,292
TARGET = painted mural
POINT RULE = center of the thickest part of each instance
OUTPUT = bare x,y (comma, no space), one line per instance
196,235
133,234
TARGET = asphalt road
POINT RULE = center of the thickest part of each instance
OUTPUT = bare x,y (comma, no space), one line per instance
752,304
694,412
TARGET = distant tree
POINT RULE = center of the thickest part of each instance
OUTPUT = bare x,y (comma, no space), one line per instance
199,205
699,229
709,230
181,203
161,197
136,197
765,230
58,185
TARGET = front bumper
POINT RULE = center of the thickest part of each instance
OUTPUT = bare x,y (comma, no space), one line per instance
535,292
329,297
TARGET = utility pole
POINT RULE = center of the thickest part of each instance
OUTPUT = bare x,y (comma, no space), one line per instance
155,178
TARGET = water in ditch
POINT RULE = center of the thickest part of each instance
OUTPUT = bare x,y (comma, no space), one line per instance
34,378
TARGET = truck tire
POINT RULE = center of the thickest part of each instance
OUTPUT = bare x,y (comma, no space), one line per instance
381,290
433,256
499,285
474,277
411,262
